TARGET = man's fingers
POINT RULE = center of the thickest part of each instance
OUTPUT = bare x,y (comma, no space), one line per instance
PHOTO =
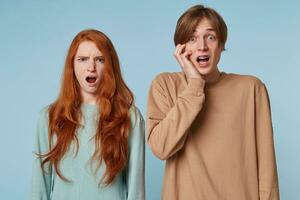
180,61
177,54
185,56
176,50
179,49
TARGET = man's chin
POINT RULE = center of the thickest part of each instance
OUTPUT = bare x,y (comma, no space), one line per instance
203,70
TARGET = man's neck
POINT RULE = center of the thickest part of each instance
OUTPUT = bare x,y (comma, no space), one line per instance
213,76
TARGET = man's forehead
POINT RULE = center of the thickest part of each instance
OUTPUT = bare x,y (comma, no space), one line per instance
204,25
204,29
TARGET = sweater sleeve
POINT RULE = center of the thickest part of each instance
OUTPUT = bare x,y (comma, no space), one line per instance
135,173
267,172
167,126
41,180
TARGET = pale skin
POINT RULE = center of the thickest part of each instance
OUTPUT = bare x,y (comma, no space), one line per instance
199,57
88,67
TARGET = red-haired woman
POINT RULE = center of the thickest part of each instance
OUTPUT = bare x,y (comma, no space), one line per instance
90,141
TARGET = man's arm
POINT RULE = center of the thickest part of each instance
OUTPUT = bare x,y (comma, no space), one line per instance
267,172
167,126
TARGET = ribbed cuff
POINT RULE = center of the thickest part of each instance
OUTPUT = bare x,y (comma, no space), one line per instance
195,86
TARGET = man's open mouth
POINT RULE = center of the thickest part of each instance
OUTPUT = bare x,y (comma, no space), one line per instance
202,59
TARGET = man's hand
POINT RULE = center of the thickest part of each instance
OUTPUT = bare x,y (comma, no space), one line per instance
183,58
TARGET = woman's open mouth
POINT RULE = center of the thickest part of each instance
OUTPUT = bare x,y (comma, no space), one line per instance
91,79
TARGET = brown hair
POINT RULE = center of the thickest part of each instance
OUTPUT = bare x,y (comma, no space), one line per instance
189,20
113,97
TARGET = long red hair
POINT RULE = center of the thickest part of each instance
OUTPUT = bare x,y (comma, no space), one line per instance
113,97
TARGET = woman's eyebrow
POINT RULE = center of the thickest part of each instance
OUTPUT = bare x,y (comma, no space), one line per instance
81,56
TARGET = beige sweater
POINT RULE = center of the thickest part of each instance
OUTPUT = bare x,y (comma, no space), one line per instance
216,138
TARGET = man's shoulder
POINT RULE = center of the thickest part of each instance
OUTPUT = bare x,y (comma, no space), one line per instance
179,78
167,78
247,80
169,75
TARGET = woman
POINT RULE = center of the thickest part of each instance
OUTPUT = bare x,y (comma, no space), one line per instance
90,141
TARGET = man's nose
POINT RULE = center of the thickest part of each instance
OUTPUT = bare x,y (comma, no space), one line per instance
201,44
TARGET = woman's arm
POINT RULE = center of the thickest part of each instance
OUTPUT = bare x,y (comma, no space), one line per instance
41,179
135,173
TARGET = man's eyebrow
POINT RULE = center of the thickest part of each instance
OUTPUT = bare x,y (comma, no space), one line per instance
211,29
207,29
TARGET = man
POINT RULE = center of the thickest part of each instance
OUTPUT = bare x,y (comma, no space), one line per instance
213,128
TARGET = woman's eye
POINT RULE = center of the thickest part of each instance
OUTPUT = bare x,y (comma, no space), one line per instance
82,59
101,60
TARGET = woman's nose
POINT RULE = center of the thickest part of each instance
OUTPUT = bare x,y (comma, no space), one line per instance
92,66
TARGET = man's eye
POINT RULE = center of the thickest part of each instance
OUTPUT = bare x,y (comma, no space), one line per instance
211,37
193,39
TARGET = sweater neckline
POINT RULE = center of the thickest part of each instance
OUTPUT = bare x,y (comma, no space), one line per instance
88,109
218,80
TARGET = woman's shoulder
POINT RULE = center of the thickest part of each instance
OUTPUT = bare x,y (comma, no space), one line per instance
44,113
135,114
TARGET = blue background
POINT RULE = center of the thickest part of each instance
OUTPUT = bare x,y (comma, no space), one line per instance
35,35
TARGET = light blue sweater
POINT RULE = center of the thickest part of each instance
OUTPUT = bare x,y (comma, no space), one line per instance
128,185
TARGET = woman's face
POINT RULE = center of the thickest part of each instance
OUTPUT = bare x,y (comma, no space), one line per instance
89,63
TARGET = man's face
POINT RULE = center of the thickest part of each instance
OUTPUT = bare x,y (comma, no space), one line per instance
88,67
205,47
